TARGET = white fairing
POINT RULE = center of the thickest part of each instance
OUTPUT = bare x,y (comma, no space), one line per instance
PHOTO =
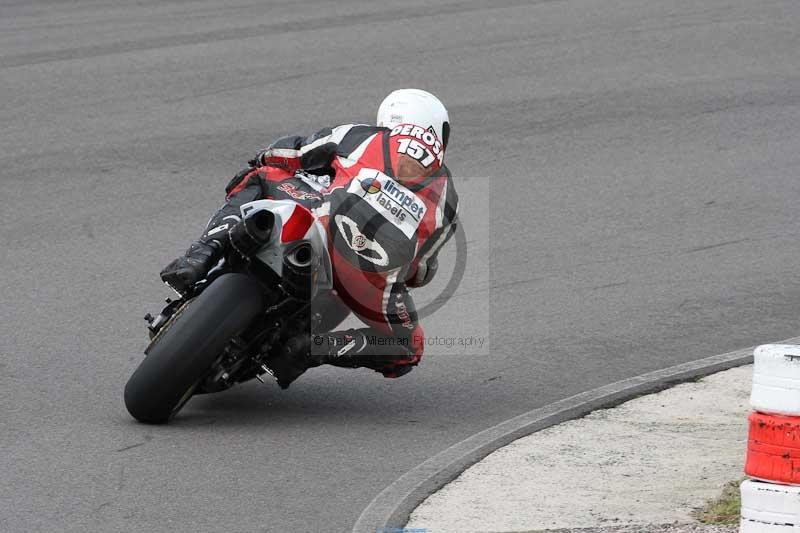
273,252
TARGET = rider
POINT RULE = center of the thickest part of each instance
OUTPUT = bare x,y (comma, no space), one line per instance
388,203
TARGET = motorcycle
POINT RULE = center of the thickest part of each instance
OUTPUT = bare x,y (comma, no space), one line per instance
220,332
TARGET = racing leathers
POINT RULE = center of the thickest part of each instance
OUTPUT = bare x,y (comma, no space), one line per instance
383,235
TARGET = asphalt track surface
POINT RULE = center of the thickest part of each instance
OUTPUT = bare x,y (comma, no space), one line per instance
635,207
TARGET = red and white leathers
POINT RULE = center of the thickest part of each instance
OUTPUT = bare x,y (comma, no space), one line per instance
383,233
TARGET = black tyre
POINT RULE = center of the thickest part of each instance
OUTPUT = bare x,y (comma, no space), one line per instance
180,359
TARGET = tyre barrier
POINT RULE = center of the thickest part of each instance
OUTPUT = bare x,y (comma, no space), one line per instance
776,379
771,500
768,508
773,448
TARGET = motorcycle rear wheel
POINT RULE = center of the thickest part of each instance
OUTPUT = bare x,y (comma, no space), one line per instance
182,356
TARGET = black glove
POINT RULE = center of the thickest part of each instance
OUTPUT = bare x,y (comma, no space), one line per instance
258,160
425,273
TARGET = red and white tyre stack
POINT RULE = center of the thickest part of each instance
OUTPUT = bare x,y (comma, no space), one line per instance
771,499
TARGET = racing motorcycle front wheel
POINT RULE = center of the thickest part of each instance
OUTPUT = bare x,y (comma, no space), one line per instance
197,335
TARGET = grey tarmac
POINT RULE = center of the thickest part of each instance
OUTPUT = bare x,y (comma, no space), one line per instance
628,171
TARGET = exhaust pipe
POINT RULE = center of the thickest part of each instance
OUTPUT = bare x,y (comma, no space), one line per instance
250,234
300,267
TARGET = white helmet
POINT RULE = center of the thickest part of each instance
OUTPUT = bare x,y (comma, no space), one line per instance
417,107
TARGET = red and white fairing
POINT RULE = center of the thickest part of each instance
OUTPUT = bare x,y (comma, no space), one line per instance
293,223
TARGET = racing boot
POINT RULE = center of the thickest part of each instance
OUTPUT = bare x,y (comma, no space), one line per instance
182,273
353,348
367,348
